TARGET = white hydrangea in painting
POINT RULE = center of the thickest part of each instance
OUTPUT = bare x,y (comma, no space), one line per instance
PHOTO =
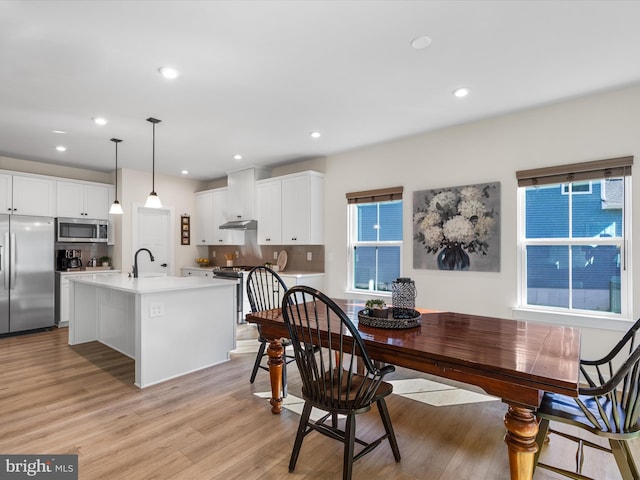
454,222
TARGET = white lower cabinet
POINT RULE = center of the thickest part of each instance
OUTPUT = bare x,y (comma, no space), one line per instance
313,280
196,272
62,294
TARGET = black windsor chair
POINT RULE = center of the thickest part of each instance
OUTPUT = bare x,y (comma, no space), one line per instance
328,364
608,407
265,290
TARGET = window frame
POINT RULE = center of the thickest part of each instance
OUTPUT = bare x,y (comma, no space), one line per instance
574,316
565,190
353,243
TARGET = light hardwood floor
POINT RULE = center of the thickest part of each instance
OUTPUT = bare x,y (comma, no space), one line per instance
58,399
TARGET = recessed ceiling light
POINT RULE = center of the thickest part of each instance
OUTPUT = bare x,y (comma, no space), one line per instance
421,42
461,92
185,172
315,135
58,131
237,156
169,72
100,120
61,148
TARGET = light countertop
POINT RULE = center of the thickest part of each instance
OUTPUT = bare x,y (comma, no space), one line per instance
127,284
297,273
87,272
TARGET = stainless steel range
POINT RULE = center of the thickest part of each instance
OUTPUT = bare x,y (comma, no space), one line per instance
238,275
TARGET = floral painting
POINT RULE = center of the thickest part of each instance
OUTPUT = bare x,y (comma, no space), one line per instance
457,228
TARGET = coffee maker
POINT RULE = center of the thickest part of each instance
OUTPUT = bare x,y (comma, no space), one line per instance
69,259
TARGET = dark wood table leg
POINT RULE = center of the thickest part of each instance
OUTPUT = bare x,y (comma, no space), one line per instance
275,352
522,428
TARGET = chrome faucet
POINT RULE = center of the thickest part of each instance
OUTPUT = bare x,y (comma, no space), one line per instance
135,260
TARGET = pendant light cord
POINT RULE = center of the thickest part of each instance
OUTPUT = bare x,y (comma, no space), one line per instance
116,141
153,154
153,161
116,170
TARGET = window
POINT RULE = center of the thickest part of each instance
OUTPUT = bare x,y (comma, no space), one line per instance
572,237
577,188
375,239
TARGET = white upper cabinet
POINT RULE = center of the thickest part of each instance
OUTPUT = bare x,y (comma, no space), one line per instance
6,195
96,201
22,195
303,209
220,237
211,208
204,218
269,211
80,200
291,209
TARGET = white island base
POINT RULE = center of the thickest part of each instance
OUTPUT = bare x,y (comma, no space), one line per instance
170,326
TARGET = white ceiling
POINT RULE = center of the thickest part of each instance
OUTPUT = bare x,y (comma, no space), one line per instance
258,76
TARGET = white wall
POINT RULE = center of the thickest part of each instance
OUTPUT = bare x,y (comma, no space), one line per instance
27,166
174,192
597,127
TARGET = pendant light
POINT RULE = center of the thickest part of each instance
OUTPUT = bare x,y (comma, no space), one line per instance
116,208
153,201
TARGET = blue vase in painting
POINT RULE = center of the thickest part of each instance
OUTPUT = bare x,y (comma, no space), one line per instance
453,257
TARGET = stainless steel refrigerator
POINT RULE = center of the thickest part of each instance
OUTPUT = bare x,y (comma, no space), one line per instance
26,273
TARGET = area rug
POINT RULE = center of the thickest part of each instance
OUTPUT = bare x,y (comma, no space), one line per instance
417,389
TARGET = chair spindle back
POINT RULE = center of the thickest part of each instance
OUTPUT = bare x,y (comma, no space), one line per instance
614,384
329,352
265,289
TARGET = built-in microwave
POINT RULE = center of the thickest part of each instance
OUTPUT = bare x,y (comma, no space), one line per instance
71,230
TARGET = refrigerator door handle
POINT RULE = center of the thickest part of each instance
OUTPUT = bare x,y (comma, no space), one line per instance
3,262
12,269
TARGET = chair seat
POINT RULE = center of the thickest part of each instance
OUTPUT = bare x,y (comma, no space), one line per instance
285,342
597,415
332,389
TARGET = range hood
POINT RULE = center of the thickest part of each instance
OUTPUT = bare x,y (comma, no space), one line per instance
240,225
241,186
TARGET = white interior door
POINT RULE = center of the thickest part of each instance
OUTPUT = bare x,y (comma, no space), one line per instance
153,229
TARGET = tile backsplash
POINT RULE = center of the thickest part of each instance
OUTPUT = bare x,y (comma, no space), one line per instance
259,254
88,250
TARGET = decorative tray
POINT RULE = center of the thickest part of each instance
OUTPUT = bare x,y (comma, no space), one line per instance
402,318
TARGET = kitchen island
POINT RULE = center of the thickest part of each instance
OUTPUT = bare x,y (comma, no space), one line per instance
170,326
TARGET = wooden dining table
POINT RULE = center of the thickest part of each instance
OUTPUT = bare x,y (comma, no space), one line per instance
514,360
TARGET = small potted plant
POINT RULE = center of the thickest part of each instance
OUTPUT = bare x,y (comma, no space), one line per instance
377,308
105,261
